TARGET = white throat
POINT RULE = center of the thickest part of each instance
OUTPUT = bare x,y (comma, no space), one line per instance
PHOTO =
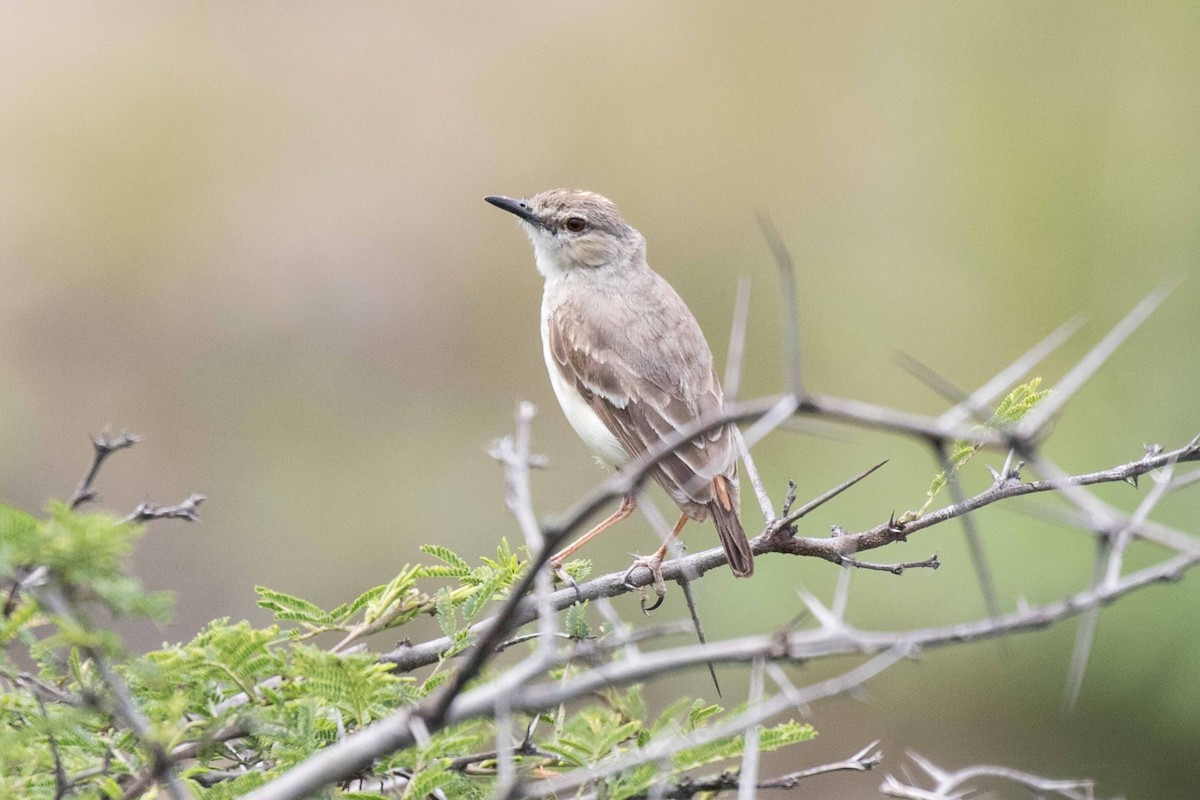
547,264
545,253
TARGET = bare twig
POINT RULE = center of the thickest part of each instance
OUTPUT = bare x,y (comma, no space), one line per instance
896,569
784,523
862,761
842,640
905,423
506,773
748,780
940,384
1035,421
685,586
1087,630
234,730
1162,485
947,784
737,340
517,458
760,491
187,510
790,308
660,525
1110,553
1183,481
889,532
42,690
103,447
1149,531
22,583
992,390
776,416
841,593
686,788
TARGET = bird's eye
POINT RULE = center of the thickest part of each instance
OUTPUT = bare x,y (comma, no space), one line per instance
576,224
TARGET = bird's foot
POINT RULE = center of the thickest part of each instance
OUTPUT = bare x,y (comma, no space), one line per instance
654,565
555,566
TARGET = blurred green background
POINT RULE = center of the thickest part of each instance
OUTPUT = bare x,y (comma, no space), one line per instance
255,234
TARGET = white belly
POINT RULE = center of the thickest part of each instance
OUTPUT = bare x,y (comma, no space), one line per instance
585,421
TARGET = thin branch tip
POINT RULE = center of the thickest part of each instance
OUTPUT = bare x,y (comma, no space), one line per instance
1039,417
103,445
188,510
790,309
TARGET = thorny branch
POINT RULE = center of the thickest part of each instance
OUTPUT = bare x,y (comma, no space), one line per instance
834,549
358,750
862,761
187,510
526,689
790,310
753,716
103,447
953,785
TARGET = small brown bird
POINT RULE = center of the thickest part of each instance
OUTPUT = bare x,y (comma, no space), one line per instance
629,364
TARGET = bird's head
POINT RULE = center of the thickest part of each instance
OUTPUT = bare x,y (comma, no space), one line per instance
575,230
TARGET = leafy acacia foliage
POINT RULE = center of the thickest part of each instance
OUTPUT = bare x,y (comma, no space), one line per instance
238,705
1015,405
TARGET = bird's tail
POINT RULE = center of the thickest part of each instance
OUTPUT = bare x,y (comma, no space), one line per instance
729,528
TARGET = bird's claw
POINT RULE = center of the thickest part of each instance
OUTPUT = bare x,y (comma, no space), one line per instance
654,565
658,602
556,569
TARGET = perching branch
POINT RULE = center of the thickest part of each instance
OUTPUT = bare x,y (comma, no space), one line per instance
562,672
835,549
528,689
355,752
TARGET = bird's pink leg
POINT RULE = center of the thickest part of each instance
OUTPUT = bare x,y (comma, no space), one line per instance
654,564
628,506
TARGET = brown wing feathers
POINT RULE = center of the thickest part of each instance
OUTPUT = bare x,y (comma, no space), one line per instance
640,411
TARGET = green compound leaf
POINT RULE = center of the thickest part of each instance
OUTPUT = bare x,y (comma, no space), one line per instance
1015,405
458,565
289,608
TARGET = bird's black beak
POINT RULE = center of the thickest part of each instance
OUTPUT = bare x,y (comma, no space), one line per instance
518,207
